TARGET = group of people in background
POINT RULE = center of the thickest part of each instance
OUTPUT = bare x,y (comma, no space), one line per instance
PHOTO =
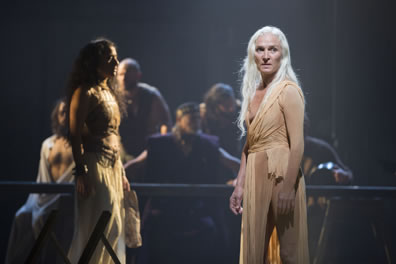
112,129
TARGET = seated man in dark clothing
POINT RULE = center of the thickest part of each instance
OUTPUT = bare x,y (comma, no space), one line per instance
182,229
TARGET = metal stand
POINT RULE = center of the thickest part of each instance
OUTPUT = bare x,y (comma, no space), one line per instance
93,241
42,238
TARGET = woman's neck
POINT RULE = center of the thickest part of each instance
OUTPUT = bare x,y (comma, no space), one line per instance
266,80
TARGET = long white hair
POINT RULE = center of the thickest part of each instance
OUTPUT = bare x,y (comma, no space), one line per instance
252,77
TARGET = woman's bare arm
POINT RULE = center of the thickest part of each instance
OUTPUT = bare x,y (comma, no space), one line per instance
79,107
242,167
293,109
237,195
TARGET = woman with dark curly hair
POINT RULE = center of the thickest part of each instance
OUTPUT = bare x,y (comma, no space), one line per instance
93,118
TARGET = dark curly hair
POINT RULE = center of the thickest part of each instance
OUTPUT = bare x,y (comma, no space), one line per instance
85,72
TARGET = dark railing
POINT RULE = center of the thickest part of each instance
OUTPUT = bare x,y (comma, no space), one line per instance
152,189
366,201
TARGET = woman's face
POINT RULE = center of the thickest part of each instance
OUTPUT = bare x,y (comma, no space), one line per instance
268,54
108,63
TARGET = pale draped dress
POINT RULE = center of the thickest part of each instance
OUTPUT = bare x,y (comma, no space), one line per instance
267,162
105,173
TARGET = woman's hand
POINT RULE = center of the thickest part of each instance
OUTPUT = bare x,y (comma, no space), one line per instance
236,200
286,199
84,188
125,183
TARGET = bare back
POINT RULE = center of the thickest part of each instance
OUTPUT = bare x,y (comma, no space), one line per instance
60,158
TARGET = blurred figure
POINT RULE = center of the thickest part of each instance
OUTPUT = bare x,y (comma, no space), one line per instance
56,163
219,112
147,109
182,229
147,114
322,166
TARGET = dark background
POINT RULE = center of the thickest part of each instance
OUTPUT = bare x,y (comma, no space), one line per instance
342,51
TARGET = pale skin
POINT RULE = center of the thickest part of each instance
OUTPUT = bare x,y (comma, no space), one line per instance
268,55
80,106
60,157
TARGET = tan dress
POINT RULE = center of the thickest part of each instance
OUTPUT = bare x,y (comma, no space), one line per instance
267,163
105,173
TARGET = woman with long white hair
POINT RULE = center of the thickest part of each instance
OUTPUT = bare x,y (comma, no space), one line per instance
269,180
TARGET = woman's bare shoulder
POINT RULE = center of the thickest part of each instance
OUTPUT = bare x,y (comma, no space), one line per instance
292,90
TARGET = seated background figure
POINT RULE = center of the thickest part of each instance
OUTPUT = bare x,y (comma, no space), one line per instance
322,166
147,113
147,109
219,112
316,152
56,163
182,229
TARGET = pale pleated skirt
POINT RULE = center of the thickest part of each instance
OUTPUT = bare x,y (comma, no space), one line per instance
108,195
258,192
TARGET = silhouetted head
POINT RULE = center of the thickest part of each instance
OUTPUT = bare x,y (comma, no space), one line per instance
188,120
58,119
220,103
129,74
